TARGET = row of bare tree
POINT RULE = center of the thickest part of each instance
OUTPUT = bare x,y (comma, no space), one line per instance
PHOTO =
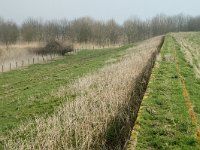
87,30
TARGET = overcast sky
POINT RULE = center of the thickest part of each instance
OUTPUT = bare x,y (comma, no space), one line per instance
120,10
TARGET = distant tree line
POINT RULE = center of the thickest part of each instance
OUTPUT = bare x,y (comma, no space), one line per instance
9,32
87,30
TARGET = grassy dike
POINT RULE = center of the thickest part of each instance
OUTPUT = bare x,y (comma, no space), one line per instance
164,120
32,91
191,79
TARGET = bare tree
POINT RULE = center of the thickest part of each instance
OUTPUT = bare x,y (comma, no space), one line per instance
32,30
51,31
194,23
82,29
9,32
113,31
135,29
99,33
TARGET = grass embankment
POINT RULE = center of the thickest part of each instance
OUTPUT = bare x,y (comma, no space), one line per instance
190,46
190,70
100,114
30,91
164,120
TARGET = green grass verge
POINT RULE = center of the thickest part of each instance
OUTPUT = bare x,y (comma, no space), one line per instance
164,120
194,38
27,92
191,80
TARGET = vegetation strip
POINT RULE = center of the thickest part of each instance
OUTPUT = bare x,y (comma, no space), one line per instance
187,98
188,43
163,121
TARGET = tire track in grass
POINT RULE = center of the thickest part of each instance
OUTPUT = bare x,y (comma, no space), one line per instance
187,97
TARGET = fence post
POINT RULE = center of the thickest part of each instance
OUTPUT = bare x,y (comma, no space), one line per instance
33,60
38,59
2,68
16,64
10,66
43,57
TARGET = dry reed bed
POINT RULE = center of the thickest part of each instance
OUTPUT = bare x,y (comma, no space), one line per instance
94,46
98,116
17,51
20,54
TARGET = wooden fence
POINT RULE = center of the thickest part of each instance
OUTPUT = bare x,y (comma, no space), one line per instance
26,62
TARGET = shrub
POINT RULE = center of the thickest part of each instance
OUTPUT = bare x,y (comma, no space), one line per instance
54,47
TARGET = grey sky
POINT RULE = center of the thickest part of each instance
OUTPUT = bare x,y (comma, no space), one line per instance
120,10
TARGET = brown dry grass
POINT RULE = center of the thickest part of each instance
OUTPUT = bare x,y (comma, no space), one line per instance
100,107
18,50
93,46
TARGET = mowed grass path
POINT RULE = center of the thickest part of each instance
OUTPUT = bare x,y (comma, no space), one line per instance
164,120
28,92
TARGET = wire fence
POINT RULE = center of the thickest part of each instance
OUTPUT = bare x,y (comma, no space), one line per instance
16,64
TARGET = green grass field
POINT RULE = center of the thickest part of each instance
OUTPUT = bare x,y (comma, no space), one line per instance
30,91
164,120
192,80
